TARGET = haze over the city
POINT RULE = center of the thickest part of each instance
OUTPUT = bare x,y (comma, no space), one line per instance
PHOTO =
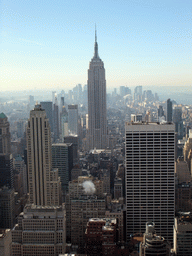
48,44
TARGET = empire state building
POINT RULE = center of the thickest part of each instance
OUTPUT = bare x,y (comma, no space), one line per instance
97,121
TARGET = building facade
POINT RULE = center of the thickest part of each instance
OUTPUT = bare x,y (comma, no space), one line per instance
97,119
149,177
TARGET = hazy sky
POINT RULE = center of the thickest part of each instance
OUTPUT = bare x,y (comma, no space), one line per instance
47,44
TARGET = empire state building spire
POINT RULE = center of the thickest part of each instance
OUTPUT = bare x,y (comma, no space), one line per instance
96,55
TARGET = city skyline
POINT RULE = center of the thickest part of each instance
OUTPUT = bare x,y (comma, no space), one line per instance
142,42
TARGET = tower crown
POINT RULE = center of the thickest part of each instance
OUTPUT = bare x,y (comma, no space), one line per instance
96,55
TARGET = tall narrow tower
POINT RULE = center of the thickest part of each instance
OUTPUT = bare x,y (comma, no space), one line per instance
97,120
43,182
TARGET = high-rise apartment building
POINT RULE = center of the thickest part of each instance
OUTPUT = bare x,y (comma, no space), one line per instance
97,120
149,177
43,182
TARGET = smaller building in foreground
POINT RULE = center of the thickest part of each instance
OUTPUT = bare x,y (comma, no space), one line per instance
153,244
41,230
183,234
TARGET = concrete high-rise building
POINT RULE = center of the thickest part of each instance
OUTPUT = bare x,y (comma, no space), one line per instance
97,120
73,119
43,182
169,111
40,231
150,177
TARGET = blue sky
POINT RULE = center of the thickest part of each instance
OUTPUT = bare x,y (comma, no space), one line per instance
48,44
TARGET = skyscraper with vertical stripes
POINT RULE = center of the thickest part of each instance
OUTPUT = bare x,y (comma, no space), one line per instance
43,181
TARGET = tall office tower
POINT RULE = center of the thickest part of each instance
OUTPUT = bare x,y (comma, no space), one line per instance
178,121
40,231
62,158
97,119
43,182
5,136
7,208
73,119
64,123
150,177
169,111
48,106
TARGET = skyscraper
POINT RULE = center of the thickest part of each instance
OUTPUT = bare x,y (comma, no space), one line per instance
150,182
5,136
169,110
73,119
97,120
43,182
